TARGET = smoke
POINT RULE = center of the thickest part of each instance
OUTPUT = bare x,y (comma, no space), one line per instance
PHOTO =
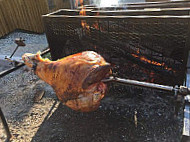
107,3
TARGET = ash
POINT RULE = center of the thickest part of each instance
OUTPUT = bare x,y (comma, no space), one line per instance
126,114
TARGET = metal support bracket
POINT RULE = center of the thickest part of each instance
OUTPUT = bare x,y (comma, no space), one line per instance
19,42
182,90
6,127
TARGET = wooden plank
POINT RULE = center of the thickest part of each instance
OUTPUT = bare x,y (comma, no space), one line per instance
20,15
41,8
32,20
27,15
7,15
14,12
44,10
45,7
1,25
23,15
4,28
38,16
40,12
10,4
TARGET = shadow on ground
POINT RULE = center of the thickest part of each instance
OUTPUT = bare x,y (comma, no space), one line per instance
113,122
67,125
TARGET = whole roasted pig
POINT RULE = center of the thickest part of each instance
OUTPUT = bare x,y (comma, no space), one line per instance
76,79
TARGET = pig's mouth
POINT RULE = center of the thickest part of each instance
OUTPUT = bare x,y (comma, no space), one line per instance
96,75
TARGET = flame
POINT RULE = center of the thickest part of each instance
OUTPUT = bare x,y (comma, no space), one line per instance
84,23
77,3
82,11
81,2
138,51
96,24
142,58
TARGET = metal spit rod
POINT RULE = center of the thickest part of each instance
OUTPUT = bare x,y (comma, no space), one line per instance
181,90
6,127
19,42
19,65
3,73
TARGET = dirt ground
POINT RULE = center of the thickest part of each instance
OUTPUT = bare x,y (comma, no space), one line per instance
48,120
126,114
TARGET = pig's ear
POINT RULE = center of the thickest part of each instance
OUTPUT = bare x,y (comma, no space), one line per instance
38,56
96,75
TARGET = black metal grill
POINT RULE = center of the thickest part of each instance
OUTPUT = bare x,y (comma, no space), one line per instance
144,5
146,48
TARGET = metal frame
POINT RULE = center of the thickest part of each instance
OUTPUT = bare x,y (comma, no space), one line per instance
6,127
54,21
2,74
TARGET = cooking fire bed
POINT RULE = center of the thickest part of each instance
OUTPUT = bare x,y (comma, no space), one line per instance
124,37
176,90
125,12
157,44
145,48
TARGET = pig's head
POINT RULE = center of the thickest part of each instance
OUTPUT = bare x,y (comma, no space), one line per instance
31,60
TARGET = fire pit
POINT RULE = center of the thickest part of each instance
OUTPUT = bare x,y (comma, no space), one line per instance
124,12
149,48
146,48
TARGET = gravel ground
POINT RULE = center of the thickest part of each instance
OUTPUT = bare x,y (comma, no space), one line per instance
126,114
33,42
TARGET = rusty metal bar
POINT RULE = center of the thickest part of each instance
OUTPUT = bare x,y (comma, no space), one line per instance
181,90
3,73
19,42
138,83
14,51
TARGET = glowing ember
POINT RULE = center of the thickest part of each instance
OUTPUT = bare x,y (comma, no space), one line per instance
142,58
83,13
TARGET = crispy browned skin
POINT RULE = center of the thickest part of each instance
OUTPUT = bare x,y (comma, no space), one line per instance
76,79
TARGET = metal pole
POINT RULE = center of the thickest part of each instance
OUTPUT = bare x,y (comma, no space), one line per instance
3,73
139,83
14,51
6,127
